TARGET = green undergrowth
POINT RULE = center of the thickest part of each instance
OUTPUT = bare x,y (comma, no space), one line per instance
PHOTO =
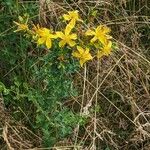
35,88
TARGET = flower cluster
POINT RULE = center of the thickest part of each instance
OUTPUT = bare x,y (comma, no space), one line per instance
96,42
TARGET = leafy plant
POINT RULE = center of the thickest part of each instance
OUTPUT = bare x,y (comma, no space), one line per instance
46,62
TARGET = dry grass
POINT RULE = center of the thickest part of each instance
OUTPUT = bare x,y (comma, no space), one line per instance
115,91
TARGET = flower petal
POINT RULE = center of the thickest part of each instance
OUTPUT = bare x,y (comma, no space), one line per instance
93,39
41,41
107,49
87,51
62,43
75,12
71,43
66,17
105,29
60,35
54,36
82,61
68,29
73,36
88,57
103,39
109,45
99,29
48,43
76,54
109,37
89,33
72,23
80,49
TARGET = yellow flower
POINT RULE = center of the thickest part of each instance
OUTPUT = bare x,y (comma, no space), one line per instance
72,15
21,27
105,51
44,37
100,33
82,54
66,37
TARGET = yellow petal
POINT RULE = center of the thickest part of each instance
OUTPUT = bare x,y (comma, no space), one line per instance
103,39
76,54
82,61
66,17
109,37
72,23
80,49
60,35
48,43
86,51
62,43
93,39
99,29
109,44
106,30
73,12
41,41
54,36
68,29
71,43
88,57
73,36
107,49
45,30
89,33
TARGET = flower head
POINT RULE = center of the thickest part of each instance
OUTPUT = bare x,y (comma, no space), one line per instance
21,27
72,15
66,37
44,37
100,33
82,54
105,51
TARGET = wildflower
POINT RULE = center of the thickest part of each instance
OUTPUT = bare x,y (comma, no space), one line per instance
100,33
45,37
66,37
82,54
72,15
105,51
21,27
